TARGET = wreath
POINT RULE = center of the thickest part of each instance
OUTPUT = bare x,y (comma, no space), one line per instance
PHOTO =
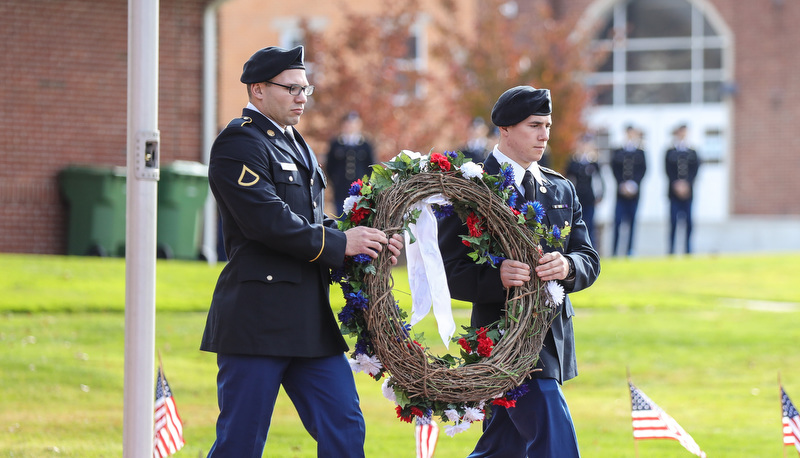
494,361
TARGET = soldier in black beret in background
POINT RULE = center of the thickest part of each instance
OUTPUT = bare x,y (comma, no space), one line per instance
270,320
349,158
540,424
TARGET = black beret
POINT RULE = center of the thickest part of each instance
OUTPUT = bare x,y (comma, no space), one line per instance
517,103
267,63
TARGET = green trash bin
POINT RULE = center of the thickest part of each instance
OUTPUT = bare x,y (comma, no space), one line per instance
96,199
182,191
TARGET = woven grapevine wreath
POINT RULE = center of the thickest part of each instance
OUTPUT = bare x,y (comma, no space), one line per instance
494,361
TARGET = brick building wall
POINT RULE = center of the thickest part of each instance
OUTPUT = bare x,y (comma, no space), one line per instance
63,100
764,159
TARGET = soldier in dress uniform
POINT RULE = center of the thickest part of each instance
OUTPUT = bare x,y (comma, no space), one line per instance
540,424
584,172
270,320
681,165
349,157
629,166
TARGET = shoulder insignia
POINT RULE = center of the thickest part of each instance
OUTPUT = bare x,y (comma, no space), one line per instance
247,120
550,171
271,132
247,174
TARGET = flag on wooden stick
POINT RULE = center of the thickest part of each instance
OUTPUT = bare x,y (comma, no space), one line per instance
168,425
651,422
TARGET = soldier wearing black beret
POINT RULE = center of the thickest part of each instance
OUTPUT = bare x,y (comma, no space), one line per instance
540,425
270,320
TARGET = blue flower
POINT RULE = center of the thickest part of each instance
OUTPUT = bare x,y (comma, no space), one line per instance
508,177
361,347
347,314
496,260
338,274
406,329
355,188
512,198
451,154
556,232
362,258
442,211
517,392
538,210
358,300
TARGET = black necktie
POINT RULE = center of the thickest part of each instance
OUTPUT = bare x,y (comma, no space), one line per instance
528,186
296,147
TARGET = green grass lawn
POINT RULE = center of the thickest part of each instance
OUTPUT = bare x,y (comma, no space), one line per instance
704,337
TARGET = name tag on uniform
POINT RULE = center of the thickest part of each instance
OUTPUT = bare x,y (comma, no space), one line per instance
288,166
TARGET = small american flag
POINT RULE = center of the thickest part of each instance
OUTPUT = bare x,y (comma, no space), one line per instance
791,422
168,426
650,422
427,435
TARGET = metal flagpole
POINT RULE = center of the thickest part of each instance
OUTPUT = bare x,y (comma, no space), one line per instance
140,249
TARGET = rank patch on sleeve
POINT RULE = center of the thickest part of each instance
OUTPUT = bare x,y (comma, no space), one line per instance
248,177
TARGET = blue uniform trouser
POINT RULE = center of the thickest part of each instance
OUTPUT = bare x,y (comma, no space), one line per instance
680,209
540,426
625,213
323,392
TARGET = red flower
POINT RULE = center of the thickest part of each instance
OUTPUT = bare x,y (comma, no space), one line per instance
417,412
358,214
485,346
402,417
465,243
516,212
505,402
441,161
465,345
474,224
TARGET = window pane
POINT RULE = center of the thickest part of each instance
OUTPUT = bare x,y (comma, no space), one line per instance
608,63
712,92
678,59
659,18
712,58
658,93
603,94
708,30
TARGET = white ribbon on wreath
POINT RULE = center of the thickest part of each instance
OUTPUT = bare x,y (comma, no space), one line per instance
426,276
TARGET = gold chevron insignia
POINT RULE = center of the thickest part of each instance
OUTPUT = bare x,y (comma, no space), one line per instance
247,120
248,174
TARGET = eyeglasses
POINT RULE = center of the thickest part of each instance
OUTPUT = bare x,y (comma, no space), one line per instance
295,89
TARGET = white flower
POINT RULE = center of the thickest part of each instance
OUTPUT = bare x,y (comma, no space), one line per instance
350,203
471,170
388,391
411,154
473,414
369,364
457,428
555,292
452,415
